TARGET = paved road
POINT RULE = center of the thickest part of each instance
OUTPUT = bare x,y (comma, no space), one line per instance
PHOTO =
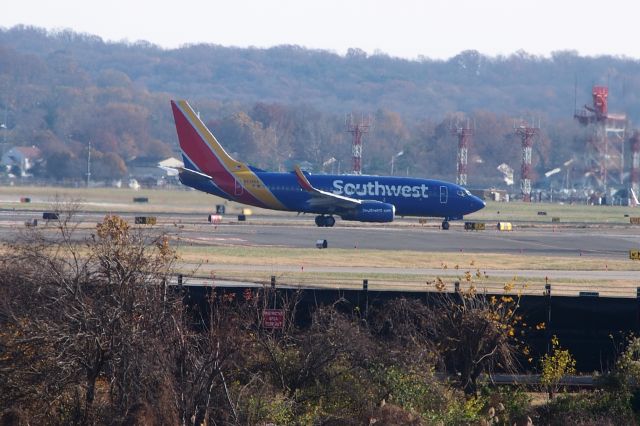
614,243
291,231
600,241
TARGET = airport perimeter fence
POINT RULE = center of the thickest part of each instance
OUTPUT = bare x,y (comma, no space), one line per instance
589,325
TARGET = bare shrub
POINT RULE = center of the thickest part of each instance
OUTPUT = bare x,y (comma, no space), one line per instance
84,319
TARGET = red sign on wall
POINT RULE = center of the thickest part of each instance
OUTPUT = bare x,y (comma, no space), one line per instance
273,318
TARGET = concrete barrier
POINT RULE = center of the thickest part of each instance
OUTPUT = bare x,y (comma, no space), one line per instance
474,226
215,218
145,220
505,226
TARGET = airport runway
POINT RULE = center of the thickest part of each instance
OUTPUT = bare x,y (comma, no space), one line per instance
299,232
597,241
532,241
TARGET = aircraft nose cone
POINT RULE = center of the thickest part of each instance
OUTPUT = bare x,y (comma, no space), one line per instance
476,204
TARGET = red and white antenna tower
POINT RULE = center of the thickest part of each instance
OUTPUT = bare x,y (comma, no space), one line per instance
604,159
464,137
357,130
527,135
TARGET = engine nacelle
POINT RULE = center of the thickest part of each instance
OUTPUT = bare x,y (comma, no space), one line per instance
372,211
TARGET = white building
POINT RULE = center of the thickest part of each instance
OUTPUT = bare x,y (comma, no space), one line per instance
20,159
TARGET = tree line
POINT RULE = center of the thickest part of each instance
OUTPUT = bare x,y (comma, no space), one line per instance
273,107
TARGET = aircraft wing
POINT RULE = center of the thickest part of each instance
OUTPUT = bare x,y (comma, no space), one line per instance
322,198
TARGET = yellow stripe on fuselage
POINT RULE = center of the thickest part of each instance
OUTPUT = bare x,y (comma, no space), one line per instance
243,174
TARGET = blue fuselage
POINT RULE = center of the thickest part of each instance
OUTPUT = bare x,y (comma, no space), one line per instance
410,196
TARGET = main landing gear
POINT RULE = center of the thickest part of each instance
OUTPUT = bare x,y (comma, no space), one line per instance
445,225
327,221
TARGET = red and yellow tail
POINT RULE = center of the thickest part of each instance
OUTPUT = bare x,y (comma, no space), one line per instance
203,153
199,145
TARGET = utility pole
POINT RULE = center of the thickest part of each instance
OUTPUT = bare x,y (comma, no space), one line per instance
89,164
393,159
4,123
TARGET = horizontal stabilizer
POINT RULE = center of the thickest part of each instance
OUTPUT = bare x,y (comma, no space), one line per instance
192,173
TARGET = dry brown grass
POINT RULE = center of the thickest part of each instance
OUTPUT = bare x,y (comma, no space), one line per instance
278,256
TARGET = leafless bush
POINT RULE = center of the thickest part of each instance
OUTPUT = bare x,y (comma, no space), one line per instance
475,334
83,319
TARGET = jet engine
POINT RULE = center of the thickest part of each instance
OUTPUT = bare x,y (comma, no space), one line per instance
371,211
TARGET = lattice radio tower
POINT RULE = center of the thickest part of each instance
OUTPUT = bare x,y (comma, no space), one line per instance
357,130
464,138
527,135
604,159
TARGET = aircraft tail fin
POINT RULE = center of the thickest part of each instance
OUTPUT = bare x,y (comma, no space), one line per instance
200,149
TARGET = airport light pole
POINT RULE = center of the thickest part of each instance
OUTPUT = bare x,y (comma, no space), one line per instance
4,124
393,159
6,129
89,164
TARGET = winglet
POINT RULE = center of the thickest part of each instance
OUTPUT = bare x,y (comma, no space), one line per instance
303,181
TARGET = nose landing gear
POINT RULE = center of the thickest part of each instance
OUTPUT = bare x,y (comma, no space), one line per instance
327,221
445,225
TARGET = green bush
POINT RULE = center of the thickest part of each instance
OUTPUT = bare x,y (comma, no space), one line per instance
596,407
510,404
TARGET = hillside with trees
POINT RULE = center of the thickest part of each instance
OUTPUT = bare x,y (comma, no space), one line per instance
273,107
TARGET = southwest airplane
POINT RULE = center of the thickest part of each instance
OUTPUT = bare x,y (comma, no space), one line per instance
208,168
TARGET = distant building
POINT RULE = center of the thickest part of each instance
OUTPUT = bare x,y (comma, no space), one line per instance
171,162
20,159
491,194
149,172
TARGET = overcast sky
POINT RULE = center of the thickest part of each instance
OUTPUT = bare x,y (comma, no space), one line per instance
403,28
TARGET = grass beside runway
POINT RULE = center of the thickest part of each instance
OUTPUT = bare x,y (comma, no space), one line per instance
204,258
182,200
417,283
116,200
518,211
288,266
279,256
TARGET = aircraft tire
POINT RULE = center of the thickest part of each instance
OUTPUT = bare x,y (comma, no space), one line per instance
320,221
445,225
329,221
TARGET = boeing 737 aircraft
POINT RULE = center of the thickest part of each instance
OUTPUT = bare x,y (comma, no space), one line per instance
208,168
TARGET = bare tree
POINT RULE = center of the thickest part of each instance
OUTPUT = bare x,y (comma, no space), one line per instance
475,334
85,316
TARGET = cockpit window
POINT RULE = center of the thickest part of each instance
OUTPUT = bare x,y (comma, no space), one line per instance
462,192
